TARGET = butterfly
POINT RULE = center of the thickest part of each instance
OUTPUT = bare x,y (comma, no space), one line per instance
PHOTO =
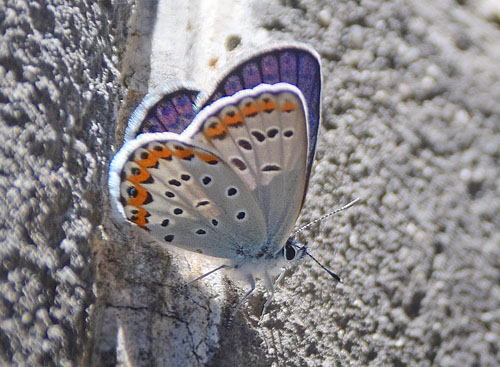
225,173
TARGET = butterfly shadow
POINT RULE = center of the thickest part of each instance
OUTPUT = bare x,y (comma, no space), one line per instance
143,314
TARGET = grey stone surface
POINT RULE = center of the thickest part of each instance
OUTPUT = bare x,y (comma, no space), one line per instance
411,124
58,94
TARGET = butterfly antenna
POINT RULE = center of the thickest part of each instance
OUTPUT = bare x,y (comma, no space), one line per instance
332,274
305,226
347,206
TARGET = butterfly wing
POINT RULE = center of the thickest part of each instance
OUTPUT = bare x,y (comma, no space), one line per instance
186,196
267,157
294,64
170,108
262,133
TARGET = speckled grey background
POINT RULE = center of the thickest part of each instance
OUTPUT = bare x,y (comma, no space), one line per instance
411,124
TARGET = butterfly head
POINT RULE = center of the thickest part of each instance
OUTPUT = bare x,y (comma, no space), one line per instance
293,251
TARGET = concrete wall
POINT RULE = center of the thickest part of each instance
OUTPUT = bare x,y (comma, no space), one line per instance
411,124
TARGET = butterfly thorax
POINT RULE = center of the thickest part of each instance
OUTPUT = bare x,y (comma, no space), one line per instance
266,265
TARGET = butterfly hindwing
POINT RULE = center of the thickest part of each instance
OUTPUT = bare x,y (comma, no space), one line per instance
170,108
262,134
186,196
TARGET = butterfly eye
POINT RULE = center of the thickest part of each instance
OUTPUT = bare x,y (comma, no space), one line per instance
289,252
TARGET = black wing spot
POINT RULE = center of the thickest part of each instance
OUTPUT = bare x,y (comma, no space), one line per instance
232,191
144,155
149,180
215,223
169,237
169,194
201,231
202,203
178,211
135,171
185,177
288,133
174,183
271,167
132,192
245,144
241,215
165,223
239,164
149,199
272,133
258,135
206,180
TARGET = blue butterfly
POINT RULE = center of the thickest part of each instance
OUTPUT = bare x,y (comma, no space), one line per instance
225,173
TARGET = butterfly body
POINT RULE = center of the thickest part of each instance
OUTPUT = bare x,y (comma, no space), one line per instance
231,184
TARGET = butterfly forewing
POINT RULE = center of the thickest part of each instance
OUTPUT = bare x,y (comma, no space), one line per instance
187,196
262,134
298,65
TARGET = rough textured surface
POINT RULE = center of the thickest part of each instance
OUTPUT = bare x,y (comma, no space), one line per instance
411,124
58,89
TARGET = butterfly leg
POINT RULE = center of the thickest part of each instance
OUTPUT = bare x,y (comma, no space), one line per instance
270,287
251,281
207,274
282,274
